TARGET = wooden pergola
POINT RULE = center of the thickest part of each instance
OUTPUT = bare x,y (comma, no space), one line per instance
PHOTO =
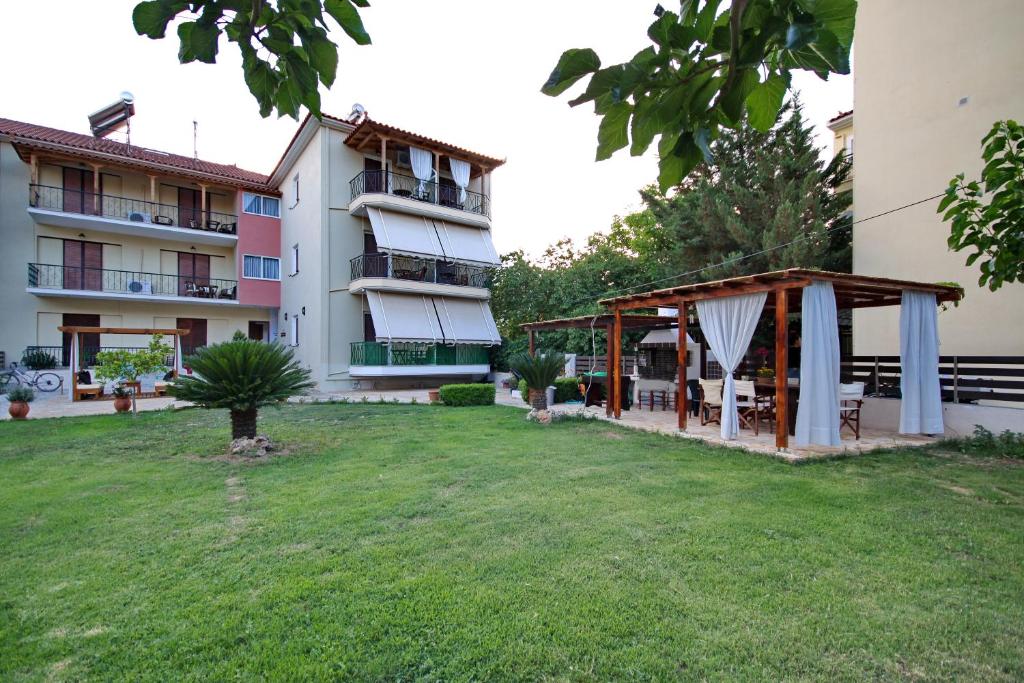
75,330
605,321
783,289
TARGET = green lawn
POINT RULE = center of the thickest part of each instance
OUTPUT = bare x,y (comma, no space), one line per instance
421,543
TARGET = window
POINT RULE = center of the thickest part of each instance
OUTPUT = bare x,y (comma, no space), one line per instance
848,145
295,330
261,267
295,190
261,205
295,259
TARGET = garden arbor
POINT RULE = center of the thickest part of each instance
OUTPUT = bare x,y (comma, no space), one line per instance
75,330
730,308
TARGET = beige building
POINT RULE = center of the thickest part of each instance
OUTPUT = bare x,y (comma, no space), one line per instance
931,77
842,127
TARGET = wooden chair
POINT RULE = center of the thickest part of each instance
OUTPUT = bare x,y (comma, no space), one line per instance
711,401
851,398
655,391
747,405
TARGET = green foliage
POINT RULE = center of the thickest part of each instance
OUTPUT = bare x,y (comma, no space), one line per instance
539,370
524,391
987,215
22,394
708,69
241,375
467,394
121,392
128,366
284,45
567,389
37,359
988,444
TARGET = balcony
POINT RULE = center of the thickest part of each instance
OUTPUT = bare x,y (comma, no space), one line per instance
79,209
418,274
378,359
97,283
406,193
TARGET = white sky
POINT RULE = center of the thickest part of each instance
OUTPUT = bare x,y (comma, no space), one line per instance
465,71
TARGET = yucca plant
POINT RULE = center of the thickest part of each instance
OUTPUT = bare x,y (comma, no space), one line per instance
242,375
539,372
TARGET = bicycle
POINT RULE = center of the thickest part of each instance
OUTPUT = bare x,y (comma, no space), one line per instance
44,381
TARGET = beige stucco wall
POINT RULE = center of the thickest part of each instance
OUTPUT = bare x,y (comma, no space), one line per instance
915,60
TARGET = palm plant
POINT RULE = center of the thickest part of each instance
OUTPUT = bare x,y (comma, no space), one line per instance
242,375
539,372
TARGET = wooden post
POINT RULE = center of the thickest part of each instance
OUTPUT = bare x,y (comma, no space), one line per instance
618,364
202,205
33,161
96,170
781,367
437,178
609,362
682,401
529,335
152,192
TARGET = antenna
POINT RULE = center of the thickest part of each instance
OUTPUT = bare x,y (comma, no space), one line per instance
195,139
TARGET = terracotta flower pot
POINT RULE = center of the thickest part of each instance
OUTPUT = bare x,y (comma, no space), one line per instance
18,410
434,395
538,399
122,404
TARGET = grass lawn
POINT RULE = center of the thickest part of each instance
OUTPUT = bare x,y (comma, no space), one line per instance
420,543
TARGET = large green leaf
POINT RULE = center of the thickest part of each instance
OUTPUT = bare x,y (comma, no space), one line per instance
198,42
765,101
613,134
323,57
345,13
838,16
732,100
150,18
573,65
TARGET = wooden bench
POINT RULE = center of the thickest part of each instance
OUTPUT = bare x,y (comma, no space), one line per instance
82,390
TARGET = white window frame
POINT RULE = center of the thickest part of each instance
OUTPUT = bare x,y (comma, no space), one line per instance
295,259
295,330
262,267
295,190
261,212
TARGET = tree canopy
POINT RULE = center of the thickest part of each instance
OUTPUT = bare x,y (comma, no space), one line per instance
708,69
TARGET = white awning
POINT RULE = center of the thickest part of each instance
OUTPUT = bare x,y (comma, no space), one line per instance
669,336
403,233
404,317
467,321
414,318
466,243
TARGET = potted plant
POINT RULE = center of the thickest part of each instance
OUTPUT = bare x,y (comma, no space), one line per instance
765,372
126,367
539,372
122,399
19,397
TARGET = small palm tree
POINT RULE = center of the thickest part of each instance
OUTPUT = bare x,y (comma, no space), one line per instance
242,375
539,372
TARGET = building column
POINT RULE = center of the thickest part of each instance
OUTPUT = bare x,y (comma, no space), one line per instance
682,401
781,365
96,203
617,346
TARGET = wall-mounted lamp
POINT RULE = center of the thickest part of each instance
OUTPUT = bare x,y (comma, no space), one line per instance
303,310
81,234
192,248
285,316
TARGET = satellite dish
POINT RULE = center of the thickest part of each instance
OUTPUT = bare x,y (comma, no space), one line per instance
127,97
358,113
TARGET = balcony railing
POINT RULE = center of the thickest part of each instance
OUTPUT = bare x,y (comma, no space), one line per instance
412,353
142,285
388,182
123,208
417,270
61,355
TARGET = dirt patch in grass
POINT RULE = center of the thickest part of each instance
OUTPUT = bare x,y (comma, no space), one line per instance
616,436
962,490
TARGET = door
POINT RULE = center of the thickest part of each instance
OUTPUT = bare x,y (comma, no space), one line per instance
190,208
88,344
83,265
448,193
257,330
193,273
373,179
79,195
375,264
196,337
369,333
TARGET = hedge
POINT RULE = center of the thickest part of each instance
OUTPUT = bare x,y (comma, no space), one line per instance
524,391
567,389
467,394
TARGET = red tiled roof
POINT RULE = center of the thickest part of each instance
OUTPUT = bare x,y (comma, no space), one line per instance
378,127
33,136
839,116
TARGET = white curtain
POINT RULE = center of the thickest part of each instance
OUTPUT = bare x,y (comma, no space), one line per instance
817,415
460,174
73,363
422,167
728,324
179,361
921,407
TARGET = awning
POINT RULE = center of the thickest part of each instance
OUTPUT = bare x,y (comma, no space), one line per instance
402,317
417,235
414,318
670,336
467,321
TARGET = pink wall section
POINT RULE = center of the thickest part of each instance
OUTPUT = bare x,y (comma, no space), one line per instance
258,236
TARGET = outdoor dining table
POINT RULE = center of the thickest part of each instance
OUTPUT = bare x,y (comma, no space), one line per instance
766,387
596,385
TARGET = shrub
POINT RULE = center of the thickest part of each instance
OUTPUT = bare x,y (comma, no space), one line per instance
37,359
524,391
986,443
467,394
24,394
540,370
567,389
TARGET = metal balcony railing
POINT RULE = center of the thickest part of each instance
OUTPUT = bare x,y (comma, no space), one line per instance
142,285
137,210
87,357
418,269
413,353
392,183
